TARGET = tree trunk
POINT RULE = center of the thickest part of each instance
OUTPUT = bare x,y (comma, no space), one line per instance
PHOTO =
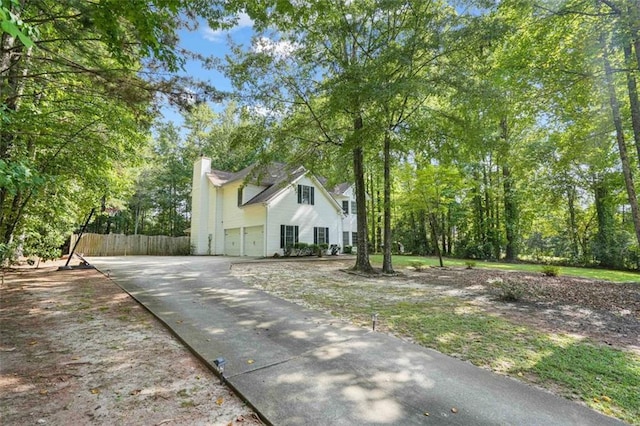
443,233
622,147
434,234
449,232
510,215
372,211
573,228
137,219
14,62
604,242
362,255
495,203
510,205
387,267
378,214
488,224
479,211
634,104
422,234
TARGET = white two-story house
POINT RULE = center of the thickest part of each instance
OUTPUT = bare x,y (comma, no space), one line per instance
260,211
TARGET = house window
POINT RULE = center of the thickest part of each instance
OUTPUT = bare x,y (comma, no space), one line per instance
305,194
345,238
354,238
354,208
288,235
239,196
345,207
320,235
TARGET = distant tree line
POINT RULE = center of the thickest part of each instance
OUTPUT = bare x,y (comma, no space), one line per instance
490,130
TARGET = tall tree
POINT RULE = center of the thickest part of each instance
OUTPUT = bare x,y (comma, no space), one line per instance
356,70
620,137
161,202
75,108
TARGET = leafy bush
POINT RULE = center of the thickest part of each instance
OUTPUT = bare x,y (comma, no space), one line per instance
7,254
43,242
550,271
347,250
417,265
470,264
301,249
322,249
508,290
632,257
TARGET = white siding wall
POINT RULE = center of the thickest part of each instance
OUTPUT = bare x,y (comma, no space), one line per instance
219,225
200,206
285,210
213,233
251,191
350,222
233,216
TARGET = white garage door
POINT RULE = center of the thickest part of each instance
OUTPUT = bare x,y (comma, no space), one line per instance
232,242
254,241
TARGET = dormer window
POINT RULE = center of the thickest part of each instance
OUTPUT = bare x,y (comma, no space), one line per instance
240,196
345,206
305,194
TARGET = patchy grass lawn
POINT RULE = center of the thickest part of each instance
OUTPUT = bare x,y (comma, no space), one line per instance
434,311
591,273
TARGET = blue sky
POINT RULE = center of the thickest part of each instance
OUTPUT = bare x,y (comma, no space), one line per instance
210,42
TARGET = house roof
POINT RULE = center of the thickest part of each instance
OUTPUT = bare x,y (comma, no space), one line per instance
260,175
274,176
337,190
341,188
280,181
218,177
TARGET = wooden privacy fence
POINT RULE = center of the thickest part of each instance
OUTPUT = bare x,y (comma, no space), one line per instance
124,245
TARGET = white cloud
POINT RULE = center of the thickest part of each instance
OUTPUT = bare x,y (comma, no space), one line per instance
280,49
243,21
260,110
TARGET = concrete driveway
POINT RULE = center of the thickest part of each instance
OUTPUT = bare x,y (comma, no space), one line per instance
301,367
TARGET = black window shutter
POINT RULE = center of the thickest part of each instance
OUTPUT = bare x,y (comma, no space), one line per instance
282,230
312,191
295,234
326,235
299,194
315,235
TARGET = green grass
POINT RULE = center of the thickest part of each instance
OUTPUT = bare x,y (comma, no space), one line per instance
605,378
599,274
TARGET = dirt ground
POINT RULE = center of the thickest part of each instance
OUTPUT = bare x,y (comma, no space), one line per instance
75,349
602,311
